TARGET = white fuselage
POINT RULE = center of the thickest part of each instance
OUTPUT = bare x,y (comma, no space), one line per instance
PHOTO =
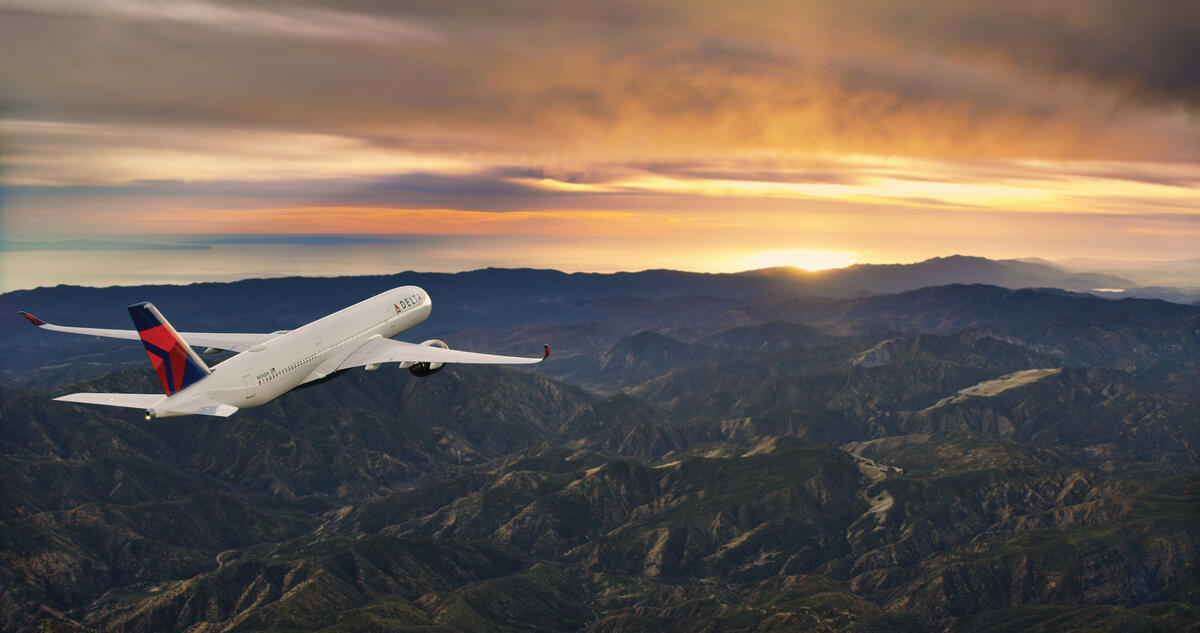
312,352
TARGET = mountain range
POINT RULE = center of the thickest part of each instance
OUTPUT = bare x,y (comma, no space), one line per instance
702,452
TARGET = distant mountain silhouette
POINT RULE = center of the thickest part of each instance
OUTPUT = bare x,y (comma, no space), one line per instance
275,301
956,269
488,298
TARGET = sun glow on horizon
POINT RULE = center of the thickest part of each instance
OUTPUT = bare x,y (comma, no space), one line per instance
807,259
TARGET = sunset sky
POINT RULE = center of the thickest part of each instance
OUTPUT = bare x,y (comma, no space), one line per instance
611,135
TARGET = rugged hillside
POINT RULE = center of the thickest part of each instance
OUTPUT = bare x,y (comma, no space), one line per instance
777,533
948,459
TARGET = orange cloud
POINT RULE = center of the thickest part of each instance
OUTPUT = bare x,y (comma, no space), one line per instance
731,127
587,85
392,221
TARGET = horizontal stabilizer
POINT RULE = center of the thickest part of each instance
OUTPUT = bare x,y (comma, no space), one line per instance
131,400
153,401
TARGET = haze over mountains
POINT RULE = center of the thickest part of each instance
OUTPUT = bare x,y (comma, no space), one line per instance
334,256
910,448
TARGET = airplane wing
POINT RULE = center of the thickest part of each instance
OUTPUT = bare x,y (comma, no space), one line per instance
386,350
234,342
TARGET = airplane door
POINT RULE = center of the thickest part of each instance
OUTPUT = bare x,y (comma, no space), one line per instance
250,385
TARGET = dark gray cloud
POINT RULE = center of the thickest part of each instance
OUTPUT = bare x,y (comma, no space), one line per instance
410,190
1156,175
93,245
1147,51
614,81
310,240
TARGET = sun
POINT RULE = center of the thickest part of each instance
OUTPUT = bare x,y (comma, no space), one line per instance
811,260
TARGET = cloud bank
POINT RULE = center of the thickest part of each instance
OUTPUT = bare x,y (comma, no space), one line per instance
682,109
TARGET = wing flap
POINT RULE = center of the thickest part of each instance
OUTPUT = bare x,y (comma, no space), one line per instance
386,350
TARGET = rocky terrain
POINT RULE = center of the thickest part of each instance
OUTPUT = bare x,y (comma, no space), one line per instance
953,458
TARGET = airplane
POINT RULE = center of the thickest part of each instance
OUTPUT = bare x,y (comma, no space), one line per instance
267,366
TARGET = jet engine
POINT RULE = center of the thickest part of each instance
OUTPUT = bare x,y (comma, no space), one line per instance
424,369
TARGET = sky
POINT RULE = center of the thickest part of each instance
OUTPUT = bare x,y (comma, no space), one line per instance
607,135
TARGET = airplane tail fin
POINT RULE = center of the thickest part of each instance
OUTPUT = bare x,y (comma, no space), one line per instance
176,364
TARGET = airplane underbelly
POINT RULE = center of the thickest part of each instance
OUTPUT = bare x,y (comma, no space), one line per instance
262,394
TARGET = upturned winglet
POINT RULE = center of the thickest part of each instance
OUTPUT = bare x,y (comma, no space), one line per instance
32,319
547,352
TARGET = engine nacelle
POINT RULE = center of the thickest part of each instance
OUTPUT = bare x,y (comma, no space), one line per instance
422,370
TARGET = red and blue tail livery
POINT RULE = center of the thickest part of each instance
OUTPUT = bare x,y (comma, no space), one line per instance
176,363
